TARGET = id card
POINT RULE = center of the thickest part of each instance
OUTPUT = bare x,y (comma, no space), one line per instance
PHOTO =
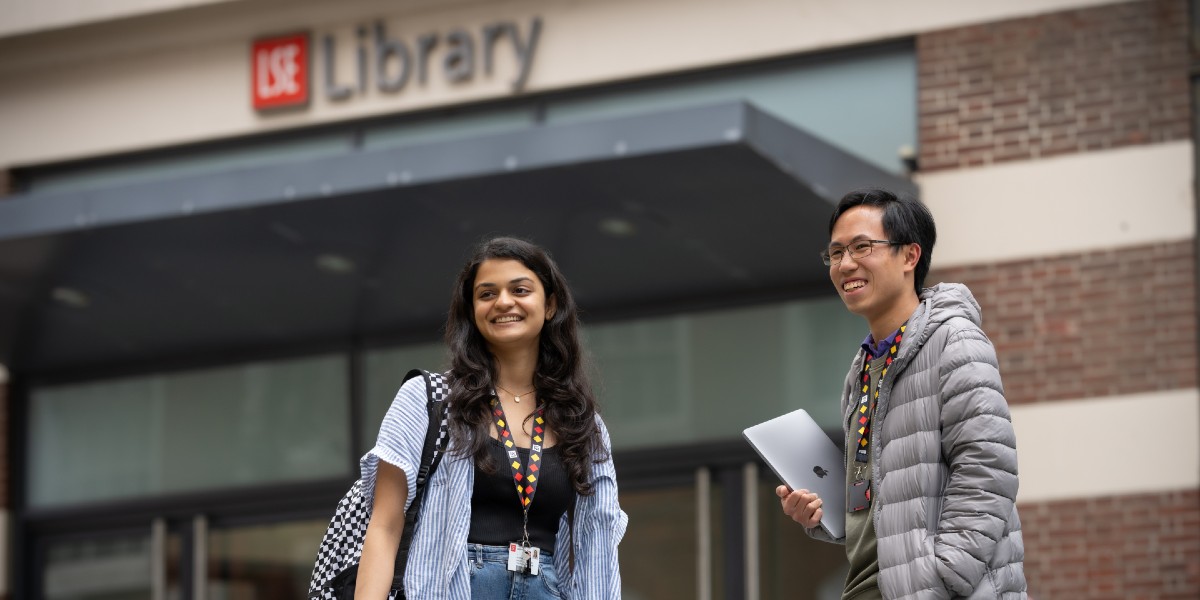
524,559
535,559
858,497
516,557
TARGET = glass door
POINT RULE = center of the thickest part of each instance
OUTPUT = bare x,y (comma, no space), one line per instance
271,561
793,565
134,565
658,553
184,560
673,546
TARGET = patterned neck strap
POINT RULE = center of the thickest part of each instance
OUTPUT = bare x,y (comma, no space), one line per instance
526,478
866,404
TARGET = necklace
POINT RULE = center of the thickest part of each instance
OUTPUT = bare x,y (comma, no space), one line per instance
516,397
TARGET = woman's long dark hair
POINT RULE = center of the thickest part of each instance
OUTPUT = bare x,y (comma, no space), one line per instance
560,377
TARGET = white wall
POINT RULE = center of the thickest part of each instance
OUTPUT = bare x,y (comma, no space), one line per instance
1136,444
1073,203
28,16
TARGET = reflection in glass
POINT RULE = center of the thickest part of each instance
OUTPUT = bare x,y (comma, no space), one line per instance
263,562
645,385
109,568
245,425
794,565
383,374
663,379
658,553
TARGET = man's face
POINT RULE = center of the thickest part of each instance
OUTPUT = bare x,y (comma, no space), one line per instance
875,284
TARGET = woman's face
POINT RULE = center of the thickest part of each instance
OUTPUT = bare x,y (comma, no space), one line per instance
510,304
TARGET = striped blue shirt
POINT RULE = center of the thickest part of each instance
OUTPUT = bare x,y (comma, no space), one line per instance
438,565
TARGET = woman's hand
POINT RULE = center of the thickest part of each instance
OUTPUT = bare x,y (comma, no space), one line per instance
802,506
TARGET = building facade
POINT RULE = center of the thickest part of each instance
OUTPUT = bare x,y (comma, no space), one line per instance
229,227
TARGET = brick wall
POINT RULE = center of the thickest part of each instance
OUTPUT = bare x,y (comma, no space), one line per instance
1102,323
1116,547
1064,82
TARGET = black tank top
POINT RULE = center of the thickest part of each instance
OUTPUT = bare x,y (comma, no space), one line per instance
496,513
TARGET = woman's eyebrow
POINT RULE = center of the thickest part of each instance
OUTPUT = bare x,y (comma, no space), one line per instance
490,284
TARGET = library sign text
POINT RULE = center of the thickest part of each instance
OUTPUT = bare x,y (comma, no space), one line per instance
281,66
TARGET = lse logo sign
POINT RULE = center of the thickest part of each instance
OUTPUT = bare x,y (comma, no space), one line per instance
279,71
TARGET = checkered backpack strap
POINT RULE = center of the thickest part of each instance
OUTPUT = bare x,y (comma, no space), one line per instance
336,567
439,395
431,455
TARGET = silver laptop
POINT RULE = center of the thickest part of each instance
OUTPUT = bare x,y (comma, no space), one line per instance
803,457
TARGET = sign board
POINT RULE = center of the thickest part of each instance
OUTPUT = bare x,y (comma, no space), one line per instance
280,72
282,66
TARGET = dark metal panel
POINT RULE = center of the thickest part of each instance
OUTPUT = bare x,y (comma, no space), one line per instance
824,168
311,499
26,554
722,205
733,523
531,149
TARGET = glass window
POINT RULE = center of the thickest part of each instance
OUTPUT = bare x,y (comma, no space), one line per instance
670,380
251,424
263,562
644,381
825,97
673,380
820,340
107,568
383,373
157,166
658,552
793,565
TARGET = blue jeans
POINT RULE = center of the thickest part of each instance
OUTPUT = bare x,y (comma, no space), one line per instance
491,579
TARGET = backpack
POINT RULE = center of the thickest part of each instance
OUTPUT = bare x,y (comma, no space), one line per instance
336,570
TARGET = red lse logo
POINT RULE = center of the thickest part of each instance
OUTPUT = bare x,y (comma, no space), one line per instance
279,71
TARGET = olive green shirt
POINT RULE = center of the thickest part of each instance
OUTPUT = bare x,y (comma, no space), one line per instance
862,582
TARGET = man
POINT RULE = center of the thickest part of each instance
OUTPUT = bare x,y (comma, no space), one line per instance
931,478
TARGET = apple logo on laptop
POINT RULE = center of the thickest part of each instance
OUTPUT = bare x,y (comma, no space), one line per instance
819,471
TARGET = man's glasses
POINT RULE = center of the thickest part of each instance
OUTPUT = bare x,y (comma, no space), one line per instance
860,249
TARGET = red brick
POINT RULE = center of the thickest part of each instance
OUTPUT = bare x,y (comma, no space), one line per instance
1073,81
1038,312
1114,554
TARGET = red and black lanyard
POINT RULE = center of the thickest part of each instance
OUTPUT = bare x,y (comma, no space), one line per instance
524,476
866,404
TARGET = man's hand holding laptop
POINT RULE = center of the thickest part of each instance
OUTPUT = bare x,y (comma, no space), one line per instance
803,506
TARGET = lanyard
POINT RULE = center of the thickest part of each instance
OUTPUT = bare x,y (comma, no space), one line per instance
525,478
866,404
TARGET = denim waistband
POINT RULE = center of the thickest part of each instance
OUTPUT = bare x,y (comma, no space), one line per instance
482,553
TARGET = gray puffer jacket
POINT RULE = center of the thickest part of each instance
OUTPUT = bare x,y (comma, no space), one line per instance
944,460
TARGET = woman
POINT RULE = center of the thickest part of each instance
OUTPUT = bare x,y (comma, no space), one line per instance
516,374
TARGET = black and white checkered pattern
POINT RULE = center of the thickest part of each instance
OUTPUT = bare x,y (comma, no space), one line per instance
341,548
439,391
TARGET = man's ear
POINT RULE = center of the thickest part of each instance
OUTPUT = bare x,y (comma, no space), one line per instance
912,255
551,307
